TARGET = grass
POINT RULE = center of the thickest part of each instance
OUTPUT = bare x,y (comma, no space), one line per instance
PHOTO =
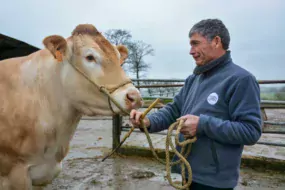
273,96
268,96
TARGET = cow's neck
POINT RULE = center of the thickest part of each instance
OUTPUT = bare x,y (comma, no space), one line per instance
56,112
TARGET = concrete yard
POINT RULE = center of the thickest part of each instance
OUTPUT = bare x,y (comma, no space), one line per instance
83,168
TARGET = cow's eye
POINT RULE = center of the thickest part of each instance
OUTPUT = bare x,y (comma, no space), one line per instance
90,58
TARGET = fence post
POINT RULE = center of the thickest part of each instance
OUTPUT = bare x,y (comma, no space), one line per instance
117,124
264,116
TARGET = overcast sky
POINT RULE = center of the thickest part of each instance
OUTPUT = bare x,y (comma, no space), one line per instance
257,28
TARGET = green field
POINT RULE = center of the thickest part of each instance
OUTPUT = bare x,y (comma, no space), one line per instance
280,96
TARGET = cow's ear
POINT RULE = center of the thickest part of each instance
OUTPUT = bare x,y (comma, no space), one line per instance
57,45
123,52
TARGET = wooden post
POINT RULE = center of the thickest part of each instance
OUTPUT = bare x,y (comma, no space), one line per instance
117,125
264,116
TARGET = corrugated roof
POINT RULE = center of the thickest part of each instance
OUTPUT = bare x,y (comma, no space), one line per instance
11,47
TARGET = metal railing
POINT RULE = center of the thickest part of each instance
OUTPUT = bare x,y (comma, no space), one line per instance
265,104
182,82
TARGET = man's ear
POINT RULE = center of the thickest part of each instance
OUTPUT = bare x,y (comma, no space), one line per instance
217,41
57,45
123,52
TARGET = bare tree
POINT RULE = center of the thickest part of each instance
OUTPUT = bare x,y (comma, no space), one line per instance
139,50
118,36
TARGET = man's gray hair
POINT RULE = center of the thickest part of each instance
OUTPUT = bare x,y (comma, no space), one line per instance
210,28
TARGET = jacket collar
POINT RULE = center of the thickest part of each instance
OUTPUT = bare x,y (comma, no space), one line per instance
212,64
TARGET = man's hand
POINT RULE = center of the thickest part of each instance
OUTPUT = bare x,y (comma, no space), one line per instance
135,118
190,125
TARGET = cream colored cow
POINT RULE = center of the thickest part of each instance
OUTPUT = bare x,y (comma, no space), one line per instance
43,97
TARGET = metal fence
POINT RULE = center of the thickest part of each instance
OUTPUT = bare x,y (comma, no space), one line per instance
265,104
182,80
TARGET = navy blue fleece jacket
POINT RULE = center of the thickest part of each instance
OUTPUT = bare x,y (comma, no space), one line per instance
226,97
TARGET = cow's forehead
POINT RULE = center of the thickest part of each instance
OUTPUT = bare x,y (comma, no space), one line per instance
100,44
108,49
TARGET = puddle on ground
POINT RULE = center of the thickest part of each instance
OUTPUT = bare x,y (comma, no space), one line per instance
114,173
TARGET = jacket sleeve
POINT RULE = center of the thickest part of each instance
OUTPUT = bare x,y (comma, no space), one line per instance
245,126
164,117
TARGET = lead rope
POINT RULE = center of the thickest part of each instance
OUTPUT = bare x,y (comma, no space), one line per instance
181,155
182,158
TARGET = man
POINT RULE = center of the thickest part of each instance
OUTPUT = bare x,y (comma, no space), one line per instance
220,104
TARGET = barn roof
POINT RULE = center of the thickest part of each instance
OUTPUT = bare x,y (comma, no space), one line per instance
11,47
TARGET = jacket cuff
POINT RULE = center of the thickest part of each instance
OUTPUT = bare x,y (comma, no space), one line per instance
148,128
201,124
151,124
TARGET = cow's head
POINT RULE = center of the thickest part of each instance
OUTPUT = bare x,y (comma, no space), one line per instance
101,62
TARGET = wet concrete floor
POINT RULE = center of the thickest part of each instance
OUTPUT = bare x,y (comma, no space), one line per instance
83,169
122,174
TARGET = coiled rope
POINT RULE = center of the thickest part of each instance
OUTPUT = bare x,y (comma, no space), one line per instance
185,151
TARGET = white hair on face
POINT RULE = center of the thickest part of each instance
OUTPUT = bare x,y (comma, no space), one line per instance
93,67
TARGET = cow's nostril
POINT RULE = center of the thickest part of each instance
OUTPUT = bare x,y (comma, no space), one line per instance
129,97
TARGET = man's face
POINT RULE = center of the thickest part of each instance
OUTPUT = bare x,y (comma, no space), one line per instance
202,50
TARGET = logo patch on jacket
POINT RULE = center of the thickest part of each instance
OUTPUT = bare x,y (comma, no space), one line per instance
213,98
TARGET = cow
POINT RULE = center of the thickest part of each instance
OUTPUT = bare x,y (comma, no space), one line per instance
45,94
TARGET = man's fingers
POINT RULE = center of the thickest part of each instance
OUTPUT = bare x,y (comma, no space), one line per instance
186,132
132,114
133,117
187,122
138,115
183,130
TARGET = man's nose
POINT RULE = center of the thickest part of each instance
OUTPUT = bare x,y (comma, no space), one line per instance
192,51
